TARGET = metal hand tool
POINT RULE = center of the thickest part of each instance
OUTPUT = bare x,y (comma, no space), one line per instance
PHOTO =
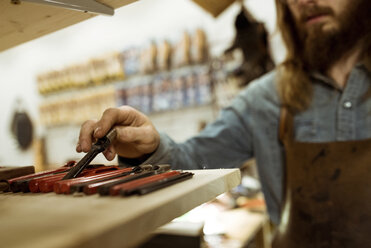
98,147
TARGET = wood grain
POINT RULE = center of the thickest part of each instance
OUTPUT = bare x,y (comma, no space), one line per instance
26,21
51,220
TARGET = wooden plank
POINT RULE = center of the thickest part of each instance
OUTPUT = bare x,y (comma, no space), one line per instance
7,172
26,21
50,220
214,7
11,172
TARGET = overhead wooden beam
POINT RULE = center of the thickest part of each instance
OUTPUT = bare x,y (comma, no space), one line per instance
26,21
214,7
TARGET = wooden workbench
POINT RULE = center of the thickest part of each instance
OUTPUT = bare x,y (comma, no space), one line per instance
51,220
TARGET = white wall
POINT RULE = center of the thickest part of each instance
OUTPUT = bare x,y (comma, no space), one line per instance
131,25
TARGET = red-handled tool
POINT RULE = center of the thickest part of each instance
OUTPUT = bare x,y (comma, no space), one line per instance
64,186
130,185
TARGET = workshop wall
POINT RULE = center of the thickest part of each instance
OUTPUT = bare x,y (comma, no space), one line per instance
131,25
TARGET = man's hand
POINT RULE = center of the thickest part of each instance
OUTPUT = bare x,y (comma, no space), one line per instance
136,135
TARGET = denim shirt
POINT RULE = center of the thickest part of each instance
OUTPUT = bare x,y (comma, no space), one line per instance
249,128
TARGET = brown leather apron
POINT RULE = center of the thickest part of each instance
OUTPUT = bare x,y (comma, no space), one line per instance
327,193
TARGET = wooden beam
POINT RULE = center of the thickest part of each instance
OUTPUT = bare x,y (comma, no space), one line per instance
214,7
26,21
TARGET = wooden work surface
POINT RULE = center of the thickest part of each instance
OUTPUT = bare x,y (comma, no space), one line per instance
26,21
51,220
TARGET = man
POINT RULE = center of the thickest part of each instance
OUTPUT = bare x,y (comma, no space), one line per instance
308,122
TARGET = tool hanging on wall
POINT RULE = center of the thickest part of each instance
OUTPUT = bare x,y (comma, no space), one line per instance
21,126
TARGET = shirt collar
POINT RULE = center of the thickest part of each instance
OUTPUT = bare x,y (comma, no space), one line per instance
320,77
329,81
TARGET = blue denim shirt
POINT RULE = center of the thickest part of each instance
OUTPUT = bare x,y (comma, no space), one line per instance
249,128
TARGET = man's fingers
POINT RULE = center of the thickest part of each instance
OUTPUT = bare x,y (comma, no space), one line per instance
78,148
124,115
86,136
133,134
110,153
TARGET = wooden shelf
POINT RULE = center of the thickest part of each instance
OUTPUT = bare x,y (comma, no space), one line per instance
59,221
27,21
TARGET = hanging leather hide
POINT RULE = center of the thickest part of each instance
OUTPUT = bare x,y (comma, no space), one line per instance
252,38
22,129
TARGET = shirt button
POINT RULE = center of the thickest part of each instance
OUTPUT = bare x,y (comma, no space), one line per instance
347,104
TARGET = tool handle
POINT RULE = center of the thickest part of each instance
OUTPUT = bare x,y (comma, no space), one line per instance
104,142
80,166
111,136
99,146
148,188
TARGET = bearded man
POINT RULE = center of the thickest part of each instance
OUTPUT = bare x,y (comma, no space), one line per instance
307,123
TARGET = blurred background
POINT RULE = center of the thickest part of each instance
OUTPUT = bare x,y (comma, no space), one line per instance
179,62
174,60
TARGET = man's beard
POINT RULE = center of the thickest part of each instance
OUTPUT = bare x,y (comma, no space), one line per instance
321,49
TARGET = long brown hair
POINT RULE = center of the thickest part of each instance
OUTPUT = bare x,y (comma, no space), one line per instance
294,85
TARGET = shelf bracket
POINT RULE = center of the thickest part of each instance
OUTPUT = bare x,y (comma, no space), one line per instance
80,5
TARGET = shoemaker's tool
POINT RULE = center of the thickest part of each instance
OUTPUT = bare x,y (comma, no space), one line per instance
98,147
94,184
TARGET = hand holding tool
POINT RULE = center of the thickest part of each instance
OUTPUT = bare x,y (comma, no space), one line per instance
98,147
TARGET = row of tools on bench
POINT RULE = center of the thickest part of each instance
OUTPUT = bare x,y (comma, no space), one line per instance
91,179
105,180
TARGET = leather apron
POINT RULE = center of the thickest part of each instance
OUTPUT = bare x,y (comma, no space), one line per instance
327,193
